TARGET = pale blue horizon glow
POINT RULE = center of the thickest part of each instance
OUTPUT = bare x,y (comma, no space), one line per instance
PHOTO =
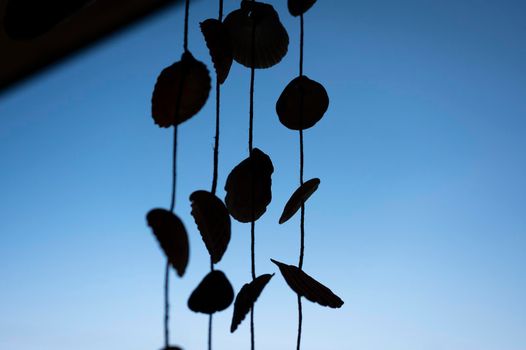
418,223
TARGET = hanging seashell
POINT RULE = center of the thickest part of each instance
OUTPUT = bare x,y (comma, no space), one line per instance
246,298
171,347
180,92
171,234
299,7
213,222
298,198
308,287
252,175
271,40
296,115
219,45
213,294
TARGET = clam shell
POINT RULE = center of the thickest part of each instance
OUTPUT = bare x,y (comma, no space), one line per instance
171,234
302,103
180,92
213,294
219,45
213,222
306,286
271,38
298,198
246,298
298,7
256,171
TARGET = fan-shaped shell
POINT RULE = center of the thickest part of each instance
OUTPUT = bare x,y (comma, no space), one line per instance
219,45
171,234
271,40
180,92
252,175
298,7
213,222
298,198
302,103
213,294
308,287
246,298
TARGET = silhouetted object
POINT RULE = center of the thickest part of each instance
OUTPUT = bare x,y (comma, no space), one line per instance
187,81
28,19
213,294
315,103
171,234
219,45
246,298
298,198
172,348
213,222
271,40
308,287
299,7
252,175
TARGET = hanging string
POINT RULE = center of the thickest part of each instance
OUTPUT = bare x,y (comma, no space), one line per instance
216,165
250,147
302,218
174,179
186,15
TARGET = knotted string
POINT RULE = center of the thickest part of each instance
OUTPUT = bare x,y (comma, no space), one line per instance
302,219
216,165
250,148
174,178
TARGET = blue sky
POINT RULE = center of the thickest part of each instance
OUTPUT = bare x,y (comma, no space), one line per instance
418,223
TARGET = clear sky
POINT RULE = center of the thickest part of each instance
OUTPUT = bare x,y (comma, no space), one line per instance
418,223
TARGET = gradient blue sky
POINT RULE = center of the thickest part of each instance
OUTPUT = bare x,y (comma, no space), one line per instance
418,223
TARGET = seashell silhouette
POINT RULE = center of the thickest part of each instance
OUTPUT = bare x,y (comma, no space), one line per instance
171,347
171,234
252,175
246,298
271,40
180,92
213,294
296,115
298,198
298,7
308,287
219,45
213,222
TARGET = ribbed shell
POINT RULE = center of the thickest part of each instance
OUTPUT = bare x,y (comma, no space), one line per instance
213,222
255,171
171,234
181,89
296,115
271,40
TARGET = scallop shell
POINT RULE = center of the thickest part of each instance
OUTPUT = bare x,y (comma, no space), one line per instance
252,175
219,45
171,234
213,294
306,286
246,298
271,38
302,103
299,7
180,92
298,198
213,222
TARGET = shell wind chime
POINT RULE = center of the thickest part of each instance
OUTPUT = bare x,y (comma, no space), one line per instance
254,37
